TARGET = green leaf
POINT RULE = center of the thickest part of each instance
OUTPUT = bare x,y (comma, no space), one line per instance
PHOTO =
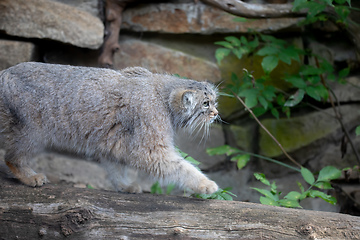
298,5
169,188
357,130
329,173
242,160
238,53
326,66
289,203
233,40
308,176
251,92
328,2
244,40
324,196
261,177
269,63
323,185
225,44
313,79
310,70
269,93
267,193
268,201
254,43
273,40
258,111
188,158
275,113
221,53
263,102
156,188
315,8
343,12
267,50
344,72
296,81
251,101
313,92
284,57
225,149
293,52
293,195
295,98
322,91
273,188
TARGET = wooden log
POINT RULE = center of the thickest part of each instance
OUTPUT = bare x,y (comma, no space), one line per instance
59,211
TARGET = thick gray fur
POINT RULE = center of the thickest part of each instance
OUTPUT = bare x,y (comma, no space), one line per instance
124,119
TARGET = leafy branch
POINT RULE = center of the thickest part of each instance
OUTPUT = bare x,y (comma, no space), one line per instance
292,199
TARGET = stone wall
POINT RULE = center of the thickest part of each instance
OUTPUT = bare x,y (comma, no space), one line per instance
178,37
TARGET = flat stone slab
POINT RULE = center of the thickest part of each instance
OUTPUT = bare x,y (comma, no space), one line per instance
194,18
51,20
161,59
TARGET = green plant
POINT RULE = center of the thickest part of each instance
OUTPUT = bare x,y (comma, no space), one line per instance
357,130
293,198
323,10
272,196
261,95
221,194
157,189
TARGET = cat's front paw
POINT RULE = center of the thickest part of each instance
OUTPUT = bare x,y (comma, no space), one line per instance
207,186
36,180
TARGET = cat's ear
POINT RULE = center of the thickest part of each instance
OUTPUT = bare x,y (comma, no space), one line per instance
188,99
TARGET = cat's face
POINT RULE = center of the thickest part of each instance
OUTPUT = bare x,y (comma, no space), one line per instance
196,107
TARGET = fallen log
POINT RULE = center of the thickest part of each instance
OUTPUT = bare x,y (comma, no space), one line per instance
59,211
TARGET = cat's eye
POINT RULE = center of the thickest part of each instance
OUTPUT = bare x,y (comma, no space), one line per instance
206,104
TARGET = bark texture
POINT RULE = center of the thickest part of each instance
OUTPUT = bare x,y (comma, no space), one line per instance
59,211
113,19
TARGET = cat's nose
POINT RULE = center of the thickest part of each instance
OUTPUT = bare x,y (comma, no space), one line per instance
215,112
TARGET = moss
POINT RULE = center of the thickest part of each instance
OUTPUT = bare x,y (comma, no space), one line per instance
294,133
243,136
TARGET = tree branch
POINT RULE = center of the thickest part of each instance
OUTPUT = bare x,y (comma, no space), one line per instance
113,19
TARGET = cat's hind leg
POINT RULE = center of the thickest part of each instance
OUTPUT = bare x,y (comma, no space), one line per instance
122,177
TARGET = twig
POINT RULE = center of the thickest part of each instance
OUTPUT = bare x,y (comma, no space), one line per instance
267,131
337,112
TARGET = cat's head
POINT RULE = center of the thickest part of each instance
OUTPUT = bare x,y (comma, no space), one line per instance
194,106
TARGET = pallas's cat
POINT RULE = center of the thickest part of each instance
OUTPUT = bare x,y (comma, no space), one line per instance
125,119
